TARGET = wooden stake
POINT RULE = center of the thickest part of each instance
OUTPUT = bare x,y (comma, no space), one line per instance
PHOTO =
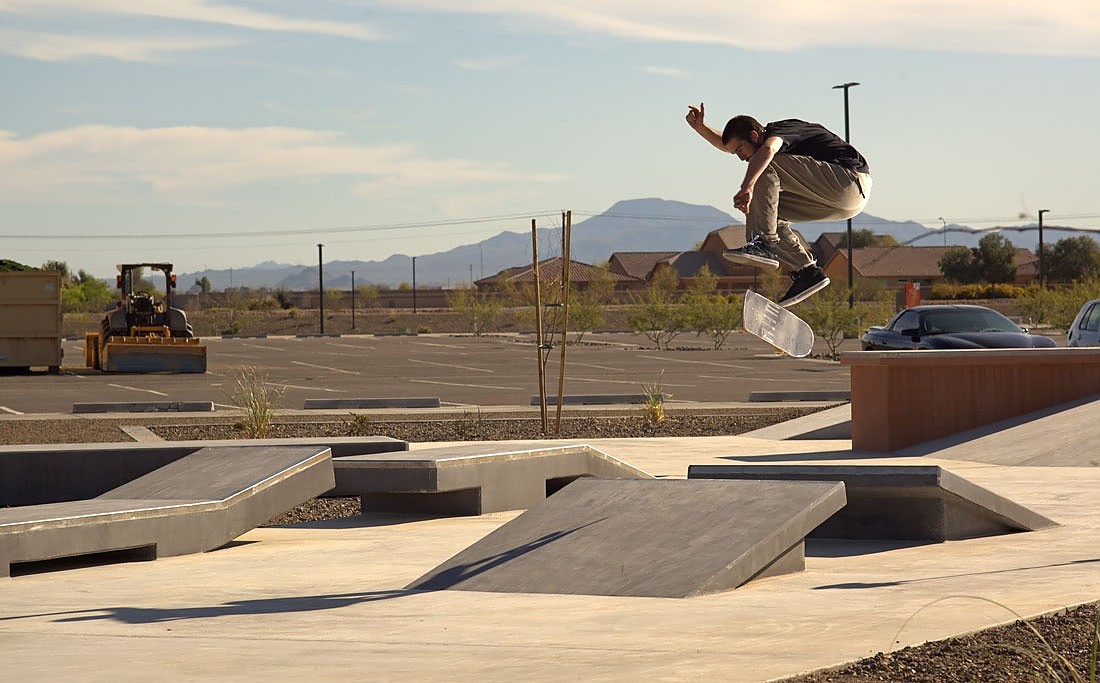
565,238
538,324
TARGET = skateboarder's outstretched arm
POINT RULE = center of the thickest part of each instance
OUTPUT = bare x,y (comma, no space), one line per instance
695,120
757,163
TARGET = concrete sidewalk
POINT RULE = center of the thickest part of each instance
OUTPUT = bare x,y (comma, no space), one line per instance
326,599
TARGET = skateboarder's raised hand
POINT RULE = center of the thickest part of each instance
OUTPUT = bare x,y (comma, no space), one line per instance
694,119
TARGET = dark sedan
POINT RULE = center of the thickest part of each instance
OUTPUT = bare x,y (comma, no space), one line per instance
950,327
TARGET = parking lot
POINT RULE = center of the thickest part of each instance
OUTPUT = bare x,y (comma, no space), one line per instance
460,371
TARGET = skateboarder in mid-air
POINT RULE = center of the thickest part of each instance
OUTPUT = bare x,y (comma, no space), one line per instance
797,172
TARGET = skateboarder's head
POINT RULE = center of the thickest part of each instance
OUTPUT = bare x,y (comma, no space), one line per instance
742,136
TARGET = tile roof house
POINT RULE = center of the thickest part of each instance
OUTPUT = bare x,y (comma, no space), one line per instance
894,266
550,270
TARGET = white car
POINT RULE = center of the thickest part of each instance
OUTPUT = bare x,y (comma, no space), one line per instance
1085,330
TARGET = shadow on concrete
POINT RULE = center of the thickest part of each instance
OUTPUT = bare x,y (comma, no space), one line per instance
452,576
856,585
805,457
832,547
154,615
361,521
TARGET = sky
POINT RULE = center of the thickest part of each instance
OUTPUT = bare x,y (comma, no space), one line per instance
217,134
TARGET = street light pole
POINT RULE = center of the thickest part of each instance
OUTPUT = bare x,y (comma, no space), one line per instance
321,284
1042,273
944,230
414,285
353,299
848,138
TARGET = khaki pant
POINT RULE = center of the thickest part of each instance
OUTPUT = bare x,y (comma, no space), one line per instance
802,189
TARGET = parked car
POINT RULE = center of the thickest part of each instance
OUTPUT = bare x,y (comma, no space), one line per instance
950,327
1085,330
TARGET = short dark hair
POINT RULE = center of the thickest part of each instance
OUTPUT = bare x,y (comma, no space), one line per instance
739,127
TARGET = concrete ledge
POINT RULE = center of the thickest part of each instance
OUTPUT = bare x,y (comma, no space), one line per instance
146,407
52,473
197,503
309,335
768,396
353,403
470,479
923,503
594,399
903,398
258,335
832,423
666,538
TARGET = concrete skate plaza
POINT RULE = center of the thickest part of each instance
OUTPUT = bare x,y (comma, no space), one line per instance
330,598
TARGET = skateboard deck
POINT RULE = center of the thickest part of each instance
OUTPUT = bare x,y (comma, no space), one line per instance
776,325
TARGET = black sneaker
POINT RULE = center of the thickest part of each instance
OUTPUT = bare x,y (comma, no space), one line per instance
807,282
757,252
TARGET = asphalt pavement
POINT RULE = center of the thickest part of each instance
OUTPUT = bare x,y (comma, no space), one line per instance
462,371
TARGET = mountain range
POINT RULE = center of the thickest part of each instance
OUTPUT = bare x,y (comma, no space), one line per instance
630,225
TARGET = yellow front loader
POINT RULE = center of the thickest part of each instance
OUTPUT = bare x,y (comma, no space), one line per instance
142,334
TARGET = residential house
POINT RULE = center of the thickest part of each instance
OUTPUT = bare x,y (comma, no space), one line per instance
550,270
892,267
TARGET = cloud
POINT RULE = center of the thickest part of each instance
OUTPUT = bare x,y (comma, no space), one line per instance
195,164
203,11
670,71
60,48
1069,27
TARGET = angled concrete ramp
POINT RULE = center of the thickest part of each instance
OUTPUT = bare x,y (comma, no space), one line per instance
1062,436
652,538
194,504
471,479
886,502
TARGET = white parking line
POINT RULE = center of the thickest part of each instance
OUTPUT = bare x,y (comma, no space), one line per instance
148,391
350,346
453,384
698,362
261,346
295,386
620,381
323,367
448,365
11,410
598,367
446,346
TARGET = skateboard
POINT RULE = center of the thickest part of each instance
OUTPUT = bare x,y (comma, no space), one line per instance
776,325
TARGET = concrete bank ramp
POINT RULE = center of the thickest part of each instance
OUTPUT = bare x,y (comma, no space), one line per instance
197,503
898,502
647,538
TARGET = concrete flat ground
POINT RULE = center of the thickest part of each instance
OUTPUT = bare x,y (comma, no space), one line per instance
460,371
327,600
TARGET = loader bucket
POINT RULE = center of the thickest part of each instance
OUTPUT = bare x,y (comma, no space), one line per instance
153,354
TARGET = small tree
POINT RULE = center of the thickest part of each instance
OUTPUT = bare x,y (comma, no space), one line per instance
479,311
708,312
654,313
368,294
1073,258
995,258
957,264
867,238
334,299
829,316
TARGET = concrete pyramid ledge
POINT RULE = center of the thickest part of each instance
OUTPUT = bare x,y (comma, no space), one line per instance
471,479
886,502
645,538
195,504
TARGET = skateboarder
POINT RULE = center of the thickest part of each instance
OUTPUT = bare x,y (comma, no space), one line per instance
797,172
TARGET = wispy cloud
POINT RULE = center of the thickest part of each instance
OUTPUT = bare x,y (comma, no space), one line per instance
111,163
669,71
204,11
61,48
1069,27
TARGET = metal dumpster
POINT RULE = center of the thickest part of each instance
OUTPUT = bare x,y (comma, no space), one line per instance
30,319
